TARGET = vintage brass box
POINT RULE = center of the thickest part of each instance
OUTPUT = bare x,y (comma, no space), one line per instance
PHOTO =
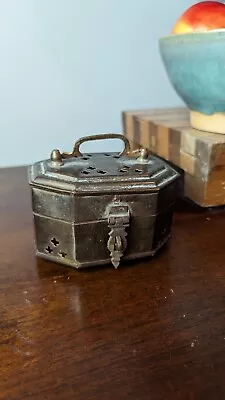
97,208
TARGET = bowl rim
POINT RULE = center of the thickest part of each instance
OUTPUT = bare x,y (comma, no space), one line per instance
195,35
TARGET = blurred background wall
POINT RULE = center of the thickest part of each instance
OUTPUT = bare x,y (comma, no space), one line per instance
68,68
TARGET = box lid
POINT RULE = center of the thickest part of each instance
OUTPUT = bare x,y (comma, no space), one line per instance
128,171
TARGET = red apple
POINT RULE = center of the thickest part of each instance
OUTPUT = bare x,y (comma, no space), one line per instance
203,16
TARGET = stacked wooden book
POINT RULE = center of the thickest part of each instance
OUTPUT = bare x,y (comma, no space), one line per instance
201,155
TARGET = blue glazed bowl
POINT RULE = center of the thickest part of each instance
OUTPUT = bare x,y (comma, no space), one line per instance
195,65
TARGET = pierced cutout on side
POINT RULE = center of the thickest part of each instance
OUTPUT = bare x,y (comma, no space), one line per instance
101,172
62,254
49,250
125,168
85,172
138,170
55,241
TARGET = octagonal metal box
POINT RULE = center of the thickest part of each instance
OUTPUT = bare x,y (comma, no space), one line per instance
100,208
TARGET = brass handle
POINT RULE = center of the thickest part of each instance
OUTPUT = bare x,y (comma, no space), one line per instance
76,150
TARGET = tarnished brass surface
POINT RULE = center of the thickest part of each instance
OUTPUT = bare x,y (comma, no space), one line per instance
97,208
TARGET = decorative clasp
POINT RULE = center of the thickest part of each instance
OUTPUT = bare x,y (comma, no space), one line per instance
118,221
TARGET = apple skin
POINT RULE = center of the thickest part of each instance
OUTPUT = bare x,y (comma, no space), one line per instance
203,16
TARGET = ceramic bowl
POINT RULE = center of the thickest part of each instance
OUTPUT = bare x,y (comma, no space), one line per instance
195,64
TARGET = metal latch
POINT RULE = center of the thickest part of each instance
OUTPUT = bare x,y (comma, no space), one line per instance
118,221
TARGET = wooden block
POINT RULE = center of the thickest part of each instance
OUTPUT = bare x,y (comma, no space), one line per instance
168,134
209,193
163,142
187,163
194,189
144,132
129,119
160,132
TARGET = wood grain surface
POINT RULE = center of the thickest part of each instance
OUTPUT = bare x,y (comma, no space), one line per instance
168,134
149,330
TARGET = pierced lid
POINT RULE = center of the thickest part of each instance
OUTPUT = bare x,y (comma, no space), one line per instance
128,171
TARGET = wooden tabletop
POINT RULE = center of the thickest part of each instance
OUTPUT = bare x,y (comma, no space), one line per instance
151,330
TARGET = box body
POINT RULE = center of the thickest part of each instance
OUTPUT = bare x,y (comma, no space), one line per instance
85,219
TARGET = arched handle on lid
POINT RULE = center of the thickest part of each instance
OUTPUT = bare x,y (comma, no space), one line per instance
76,150
141,154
